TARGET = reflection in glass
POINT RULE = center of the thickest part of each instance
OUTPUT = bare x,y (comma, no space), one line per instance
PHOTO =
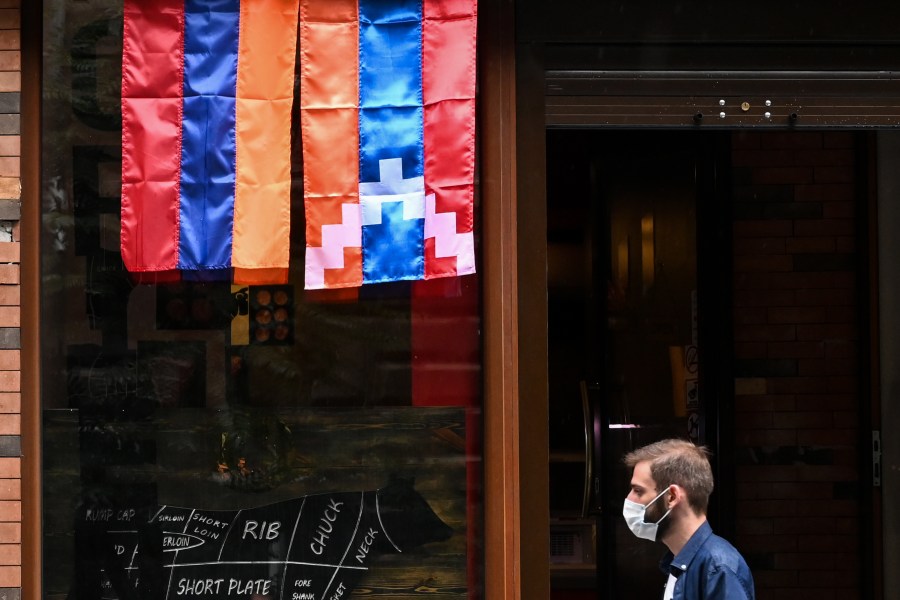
221,400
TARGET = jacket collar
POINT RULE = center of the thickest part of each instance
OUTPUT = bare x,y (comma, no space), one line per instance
677,565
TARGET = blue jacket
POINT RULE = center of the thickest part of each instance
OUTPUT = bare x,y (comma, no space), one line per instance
709,568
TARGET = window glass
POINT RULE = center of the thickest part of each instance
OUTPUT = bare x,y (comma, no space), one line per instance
206,440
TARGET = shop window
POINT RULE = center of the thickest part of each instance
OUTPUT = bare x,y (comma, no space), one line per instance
205,439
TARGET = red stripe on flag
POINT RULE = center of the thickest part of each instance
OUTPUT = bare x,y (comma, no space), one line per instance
448,89
152,89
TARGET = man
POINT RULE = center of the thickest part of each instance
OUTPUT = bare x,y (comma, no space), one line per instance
670,487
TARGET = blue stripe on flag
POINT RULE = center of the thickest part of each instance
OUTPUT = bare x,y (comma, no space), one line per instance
391,127
208,146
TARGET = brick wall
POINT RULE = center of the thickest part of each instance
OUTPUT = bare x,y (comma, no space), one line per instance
10,396
797,377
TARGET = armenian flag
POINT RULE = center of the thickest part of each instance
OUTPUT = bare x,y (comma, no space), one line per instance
387,93
207,91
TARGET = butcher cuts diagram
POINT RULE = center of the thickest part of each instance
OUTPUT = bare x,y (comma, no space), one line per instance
315,547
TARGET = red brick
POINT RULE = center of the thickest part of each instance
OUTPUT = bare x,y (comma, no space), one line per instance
765,437
759,245
755,420
762,158
767,473
834,174
799,281
831,473
10,166
10,424
10,252
847,456
827,542
10,316
10,467
745,139
744,527
745,297
766,262
762,403
797,490
796,349
10,145
10,381
10,489
833,192
751,544
811,525
824,579
790,157
810,245
10,554
10,360
826,297
10,18
841,314
749,350
840,349
796,140
812,367
839,210
10,533
9,274
10,81
800,314
10,511
10,295
11,577
768,508
846,420
838,139
750,315
812,385
766,580
763,228
10,402
825,157
832,508
749,386
765,333
827,331
782,175
826,401
845,244
824,227
794,560
803,420
10,60
827,437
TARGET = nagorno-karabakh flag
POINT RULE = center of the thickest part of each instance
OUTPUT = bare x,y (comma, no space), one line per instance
388,120
207,90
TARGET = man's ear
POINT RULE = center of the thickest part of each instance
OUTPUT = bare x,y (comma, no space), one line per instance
675,495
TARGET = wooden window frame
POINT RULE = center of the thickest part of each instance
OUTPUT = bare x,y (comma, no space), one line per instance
510,567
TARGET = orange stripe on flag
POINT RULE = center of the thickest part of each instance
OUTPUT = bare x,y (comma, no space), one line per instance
265,91
329,96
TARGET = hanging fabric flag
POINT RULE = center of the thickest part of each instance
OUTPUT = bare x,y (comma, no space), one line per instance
207,90
388,124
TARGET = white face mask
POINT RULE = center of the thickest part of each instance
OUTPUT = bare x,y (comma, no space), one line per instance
634,516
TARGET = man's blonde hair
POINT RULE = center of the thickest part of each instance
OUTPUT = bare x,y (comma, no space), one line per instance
681,463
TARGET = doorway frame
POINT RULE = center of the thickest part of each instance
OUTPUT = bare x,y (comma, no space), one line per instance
552,95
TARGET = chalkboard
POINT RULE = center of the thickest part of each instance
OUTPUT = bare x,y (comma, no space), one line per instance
315,547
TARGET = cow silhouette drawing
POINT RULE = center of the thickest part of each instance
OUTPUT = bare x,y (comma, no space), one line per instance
315,547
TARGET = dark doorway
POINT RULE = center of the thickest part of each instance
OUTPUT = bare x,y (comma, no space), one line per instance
639,263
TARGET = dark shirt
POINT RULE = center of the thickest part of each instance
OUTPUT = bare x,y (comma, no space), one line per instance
709,568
